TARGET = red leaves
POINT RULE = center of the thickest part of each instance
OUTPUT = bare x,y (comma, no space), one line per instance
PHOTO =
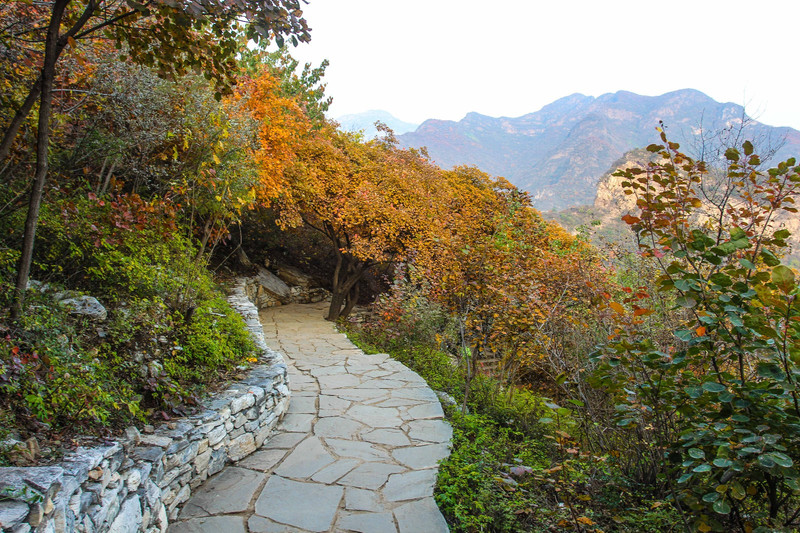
631,220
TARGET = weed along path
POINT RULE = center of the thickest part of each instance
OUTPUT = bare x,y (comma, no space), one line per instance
357,451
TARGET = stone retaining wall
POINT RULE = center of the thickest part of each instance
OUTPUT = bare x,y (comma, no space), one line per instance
138,483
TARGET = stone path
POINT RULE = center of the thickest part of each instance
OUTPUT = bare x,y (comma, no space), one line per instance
357,451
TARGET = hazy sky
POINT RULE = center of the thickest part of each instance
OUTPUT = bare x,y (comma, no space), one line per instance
423,59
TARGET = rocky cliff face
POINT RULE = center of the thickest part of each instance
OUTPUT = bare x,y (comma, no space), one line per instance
610,204
559,153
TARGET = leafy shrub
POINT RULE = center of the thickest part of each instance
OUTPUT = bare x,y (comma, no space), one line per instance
168,334
474,489
719,402
215,340
49,374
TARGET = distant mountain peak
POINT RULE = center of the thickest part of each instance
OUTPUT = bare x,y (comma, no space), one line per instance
559,152
366,122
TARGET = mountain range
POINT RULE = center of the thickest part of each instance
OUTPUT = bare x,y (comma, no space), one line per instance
559,152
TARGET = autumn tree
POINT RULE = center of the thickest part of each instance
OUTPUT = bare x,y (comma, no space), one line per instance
509,278
373,201
169,37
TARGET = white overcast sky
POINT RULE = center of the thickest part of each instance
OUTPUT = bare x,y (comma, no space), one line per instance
423,59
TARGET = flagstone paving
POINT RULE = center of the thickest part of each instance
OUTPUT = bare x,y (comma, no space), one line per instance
357,450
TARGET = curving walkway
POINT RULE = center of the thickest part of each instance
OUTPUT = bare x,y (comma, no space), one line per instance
357,451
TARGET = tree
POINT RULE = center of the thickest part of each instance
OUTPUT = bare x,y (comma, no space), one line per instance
373,201
160,33
510,279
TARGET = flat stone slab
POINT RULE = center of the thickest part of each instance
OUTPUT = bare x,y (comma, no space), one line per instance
361,500
376,417
430,430
297,422
338,381
285,440
419,457
307,458
334,471
357,449
370,475
264,459
259,524
310,506
338,427
412,485
230,491
302,404
210,524
420,515
388,437
366,522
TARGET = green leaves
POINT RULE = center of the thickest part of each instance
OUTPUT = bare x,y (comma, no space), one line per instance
783,277
781,459
721,507
697,453
713,386
727,386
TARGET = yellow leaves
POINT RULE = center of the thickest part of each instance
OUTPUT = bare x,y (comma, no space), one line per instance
281,133
617,307
585,520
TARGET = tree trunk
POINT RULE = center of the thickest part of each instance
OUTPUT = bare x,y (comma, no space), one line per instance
204,240
20,116
344,280
53,48
467,384
42,142
352,300
335,309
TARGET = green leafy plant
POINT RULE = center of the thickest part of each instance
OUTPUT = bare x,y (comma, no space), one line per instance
719,400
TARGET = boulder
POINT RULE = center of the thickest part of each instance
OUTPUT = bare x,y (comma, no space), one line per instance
294,277
274,285
87,306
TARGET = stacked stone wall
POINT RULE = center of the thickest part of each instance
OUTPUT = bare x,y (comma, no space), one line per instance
138,483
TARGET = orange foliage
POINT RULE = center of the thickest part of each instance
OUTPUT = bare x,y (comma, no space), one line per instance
514,281
373,201
281,128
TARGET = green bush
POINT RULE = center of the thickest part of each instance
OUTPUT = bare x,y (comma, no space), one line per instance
719,402
168,336
215,340
50,374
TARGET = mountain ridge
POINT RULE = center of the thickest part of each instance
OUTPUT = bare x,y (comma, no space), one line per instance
559,152
365,122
